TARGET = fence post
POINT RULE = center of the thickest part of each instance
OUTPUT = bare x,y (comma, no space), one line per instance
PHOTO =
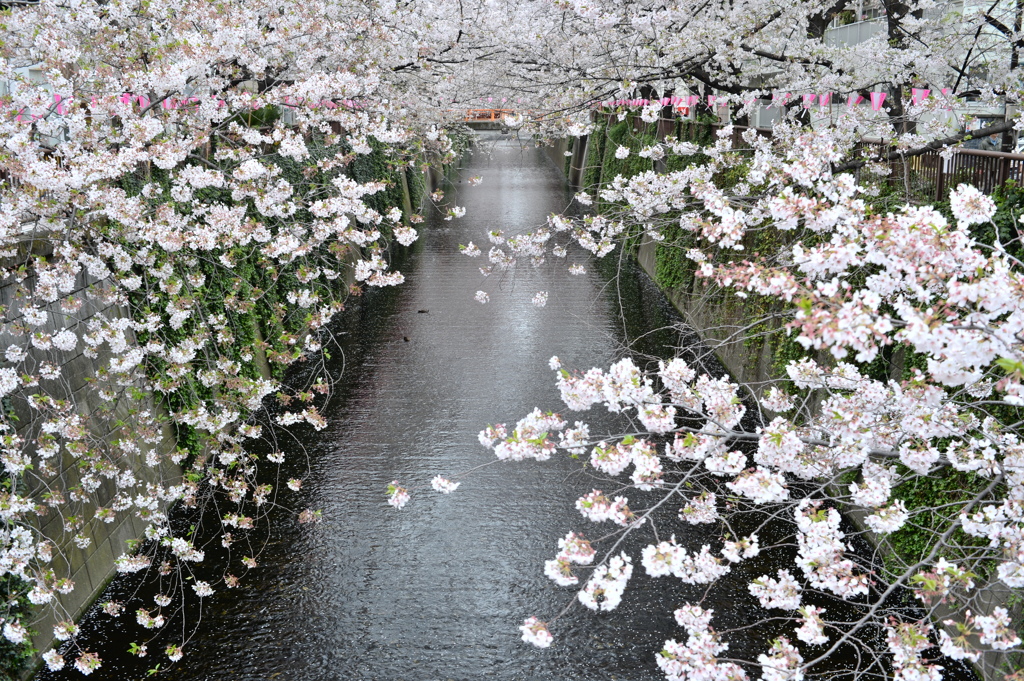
940,180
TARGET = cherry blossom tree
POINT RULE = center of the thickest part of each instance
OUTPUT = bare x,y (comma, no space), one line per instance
833,433
190,192
838,431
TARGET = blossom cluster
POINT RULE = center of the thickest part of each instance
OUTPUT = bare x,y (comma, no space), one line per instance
573,549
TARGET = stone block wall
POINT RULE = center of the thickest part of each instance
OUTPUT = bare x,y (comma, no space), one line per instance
91,567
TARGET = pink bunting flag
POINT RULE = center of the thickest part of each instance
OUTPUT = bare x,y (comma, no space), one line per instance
854,100
489,99
918,95
711,101
877,99
142,100
825,99
809,100
126,98
945,93
61,109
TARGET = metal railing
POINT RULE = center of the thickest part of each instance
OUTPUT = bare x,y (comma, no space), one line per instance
932,176
855,33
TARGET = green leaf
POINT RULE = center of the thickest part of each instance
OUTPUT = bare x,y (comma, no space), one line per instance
1010,366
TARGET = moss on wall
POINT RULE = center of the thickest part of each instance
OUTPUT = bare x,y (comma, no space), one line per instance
592,163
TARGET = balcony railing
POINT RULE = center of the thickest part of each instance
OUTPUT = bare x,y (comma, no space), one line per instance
855,33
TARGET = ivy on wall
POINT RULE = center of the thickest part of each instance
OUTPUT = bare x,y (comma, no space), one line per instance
248,299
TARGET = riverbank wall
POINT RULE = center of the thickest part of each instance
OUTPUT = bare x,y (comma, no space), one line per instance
751,353
84,550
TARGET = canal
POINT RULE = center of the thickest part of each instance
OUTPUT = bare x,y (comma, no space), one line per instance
437,590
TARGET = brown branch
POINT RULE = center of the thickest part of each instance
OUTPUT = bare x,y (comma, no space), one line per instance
932,146
806,61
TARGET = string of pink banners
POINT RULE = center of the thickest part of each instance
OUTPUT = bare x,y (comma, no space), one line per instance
917,96
63,104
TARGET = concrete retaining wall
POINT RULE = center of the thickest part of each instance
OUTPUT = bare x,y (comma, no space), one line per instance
723,323
90,568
